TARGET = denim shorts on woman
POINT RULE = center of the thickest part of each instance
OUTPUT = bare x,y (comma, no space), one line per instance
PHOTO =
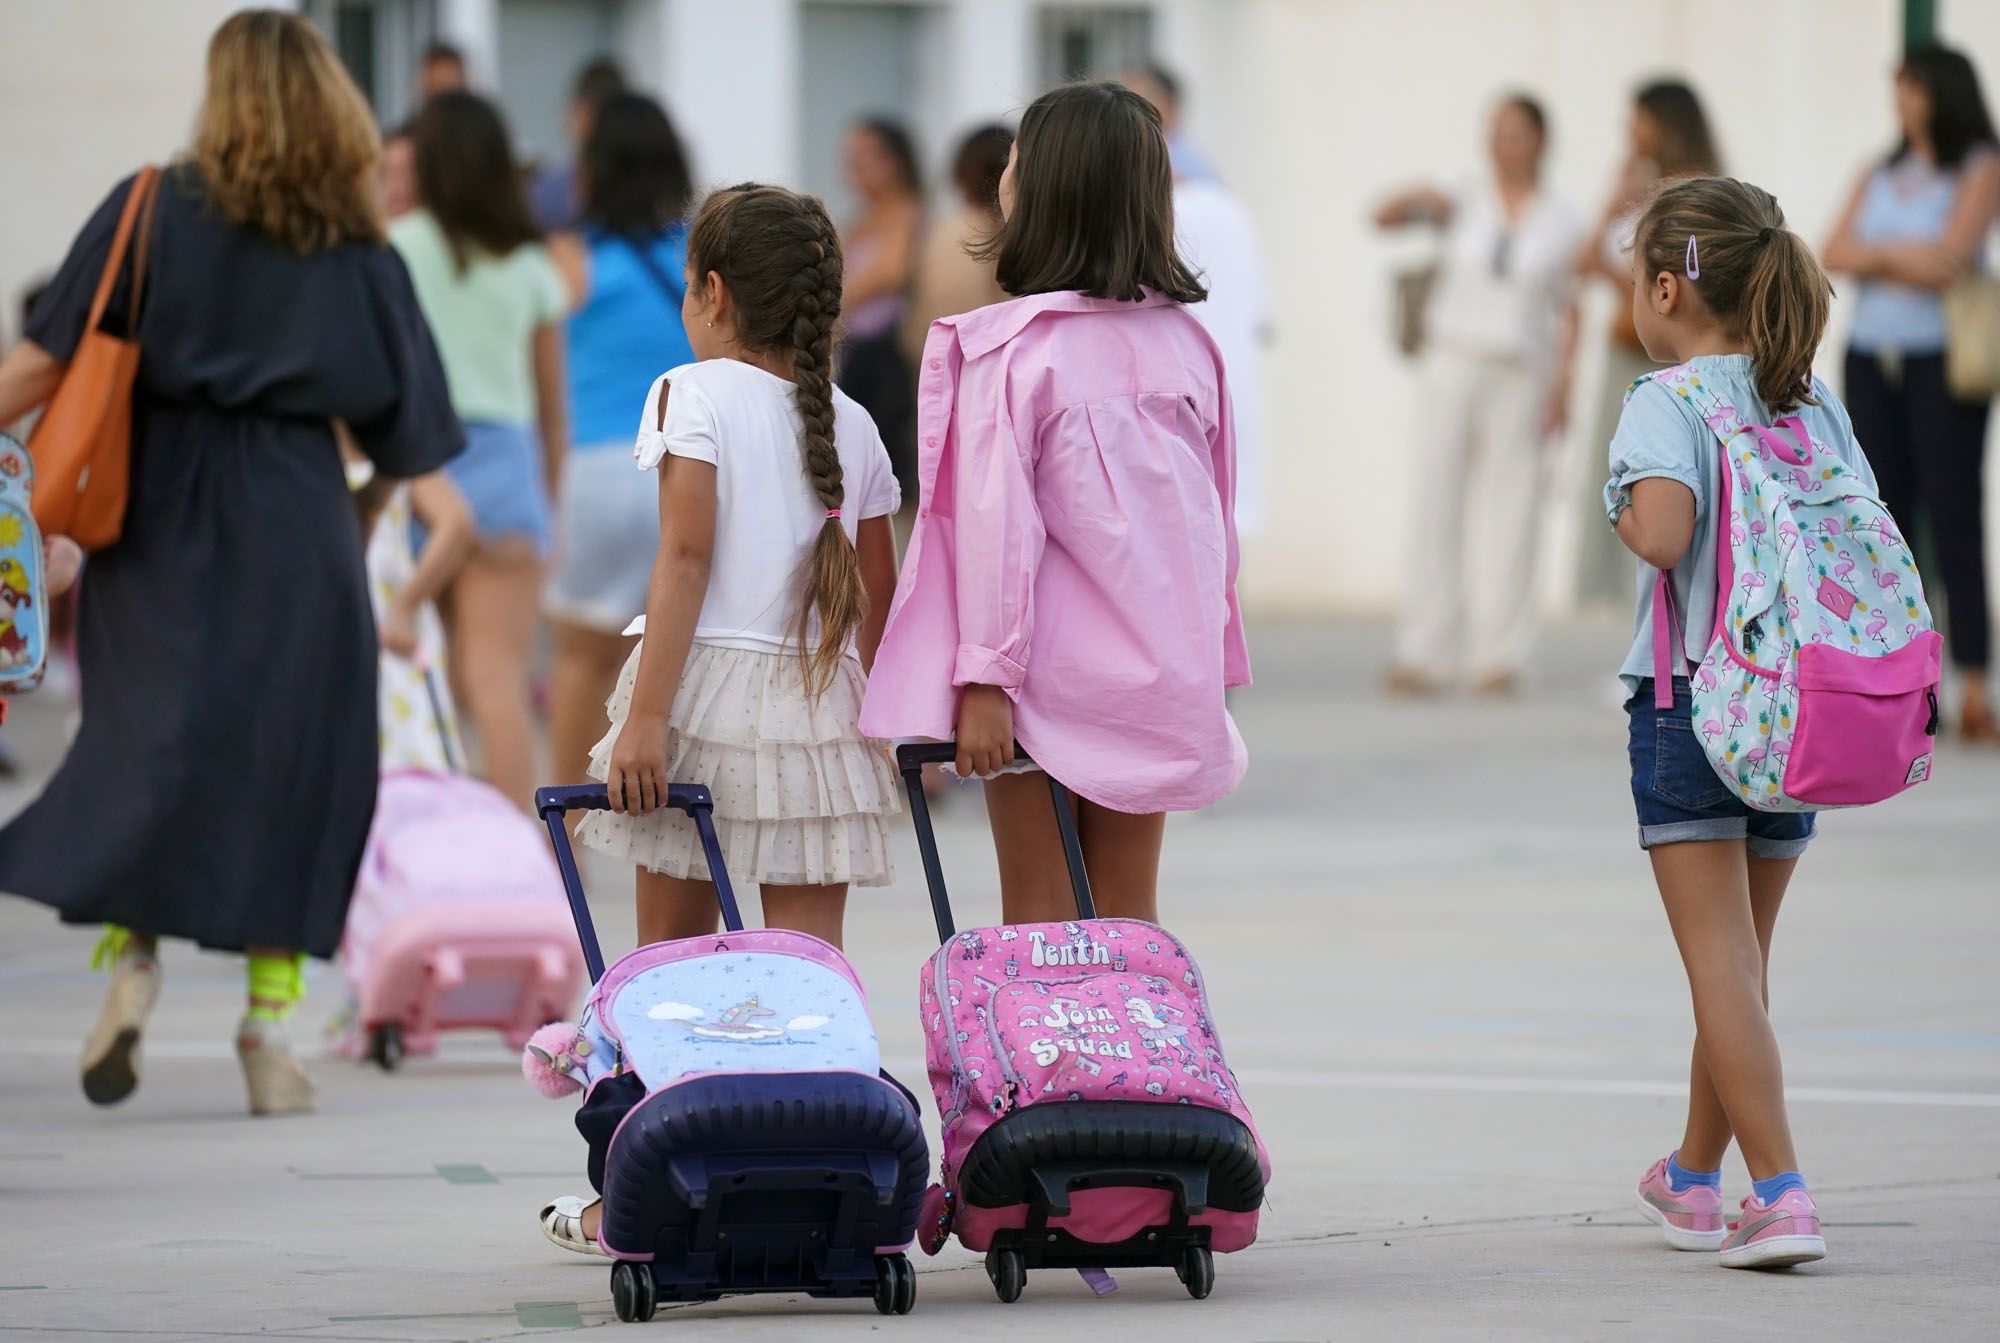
1679,795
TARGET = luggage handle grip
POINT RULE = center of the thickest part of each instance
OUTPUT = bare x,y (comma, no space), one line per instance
911,757
1054,1180
692,798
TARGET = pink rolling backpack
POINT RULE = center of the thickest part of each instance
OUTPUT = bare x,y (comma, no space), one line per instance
1819,687
457,922
1089,1118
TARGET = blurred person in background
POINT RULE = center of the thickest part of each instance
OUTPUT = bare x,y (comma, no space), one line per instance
627,274
881,257
397,176
950,279
222,782
495,303
1494,391
553,195
1916,223
1162,88
1218,238
441,69
1667,136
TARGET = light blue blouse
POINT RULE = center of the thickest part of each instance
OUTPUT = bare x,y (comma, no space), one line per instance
1661,434
1906,202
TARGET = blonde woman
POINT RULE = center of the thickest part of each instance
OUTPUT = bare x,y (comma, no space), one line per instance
222,783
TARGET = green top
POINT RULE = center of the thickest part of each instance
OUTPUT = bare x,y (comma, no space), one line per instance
484,318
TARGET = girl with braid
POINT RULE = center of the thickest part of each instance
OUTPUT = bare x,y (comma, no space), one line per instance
773,577
775,569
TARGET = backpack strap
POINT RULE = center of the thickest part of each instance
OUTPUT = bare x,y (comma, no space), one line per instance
1666,633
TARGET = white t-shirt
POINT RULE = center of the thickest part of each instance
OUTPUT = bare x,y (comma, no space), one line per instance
1219,239
1506,283
745,422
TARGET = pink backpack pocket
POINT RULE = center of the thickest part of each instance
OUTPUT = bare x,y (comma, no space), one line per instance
1865,725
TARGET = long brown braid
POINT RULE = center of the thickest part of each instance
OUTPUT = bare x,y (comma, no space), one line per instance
779,255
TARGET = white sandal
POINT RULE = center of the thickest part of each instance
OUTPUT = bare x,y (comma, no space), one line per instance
562,1223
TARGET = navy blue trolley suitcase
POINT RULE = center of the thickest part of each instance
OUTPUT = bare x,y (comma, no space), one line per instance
754,1145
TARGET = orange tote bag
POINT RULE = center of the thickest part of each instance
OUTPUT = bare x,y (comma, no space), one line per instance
82,445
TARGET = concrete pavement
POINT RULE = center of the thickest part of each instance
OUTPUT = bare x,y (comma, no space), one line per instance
1446,985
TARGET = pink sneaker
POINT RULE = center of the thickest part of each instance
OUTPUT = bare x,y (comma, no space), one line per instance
1690,1219
1774,1235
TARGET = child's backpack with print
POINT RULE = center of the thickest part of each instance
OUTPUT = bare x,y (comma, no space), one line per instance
1089,1118
755,1145
1819,688
24,605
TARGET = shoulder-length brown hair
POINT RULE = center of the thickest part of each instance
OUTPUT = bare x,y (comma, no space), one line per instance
285,142
468,179
1093,201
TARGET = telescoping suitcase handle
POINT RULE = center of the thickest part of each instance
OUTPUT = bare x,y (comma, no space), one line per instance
910,761
691,798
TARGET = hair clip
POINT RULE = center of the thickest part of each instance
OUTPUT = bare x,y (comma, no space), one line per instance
1693,266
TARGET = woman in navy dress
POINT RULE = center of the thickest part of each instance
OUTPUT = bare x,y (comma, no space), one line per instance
222,784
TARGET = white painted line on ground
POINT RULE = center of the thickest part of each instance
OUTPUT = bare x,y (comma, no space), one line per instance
1487,1084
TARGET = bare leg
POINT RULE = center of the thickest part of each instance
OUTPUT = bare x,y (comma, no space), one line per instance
1121,852
1706,889
1708,1133
818,910
581,679
671,908
495,602
1034,883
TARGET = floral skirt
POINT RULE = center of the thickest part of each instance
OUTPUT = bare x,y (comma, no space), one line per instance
801,798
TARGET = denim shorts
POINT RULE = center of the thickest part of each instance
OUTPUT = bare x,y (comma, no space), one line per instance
1679,795
609,534
500,475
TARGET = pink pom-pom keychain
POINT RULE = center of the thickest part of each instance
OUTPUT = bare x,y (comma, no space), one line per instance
550,1059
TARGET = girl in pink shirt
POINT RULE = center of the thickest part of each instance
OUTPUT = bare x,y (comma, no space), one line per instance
1071,583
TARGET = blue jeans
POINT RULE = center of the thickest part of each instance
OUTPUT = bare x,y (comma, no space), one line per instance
1679,796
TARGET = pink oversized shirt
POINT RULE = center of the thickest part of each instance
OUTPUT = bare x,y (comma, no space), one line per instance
1075,547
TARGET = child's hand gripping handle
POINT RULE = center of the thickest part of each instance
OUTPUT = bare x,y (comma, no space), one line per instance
911,758
691,798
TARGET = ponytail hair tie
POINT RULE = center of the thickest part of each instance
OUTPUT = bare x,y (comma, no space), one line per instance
833,512
1764,235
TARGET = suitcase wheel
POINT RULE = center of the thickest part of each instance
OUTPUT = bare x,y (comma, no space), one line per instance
1196,1270
895,1285
1008,1272
633,1293
385,1046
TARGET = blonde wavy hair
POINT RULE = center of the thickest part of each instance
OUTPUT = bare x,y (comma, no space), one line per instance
285,140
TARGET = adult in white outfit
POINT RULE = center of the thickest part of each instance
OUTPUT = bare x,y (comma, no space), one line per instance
1500,333
1218,237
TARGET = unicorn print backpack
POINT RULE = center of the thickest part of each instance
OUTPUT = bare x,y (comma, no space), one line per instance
1819,687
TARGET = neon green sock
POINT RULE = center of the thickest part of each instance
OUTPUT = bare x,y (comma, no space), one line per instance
114,944
276,985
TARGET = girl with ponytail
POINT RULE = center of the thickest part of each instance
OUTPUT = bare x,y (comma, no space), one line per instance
775,568
1721,286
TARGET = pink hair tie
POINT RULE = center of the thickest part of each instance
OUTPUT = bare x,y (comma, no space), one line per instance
833,512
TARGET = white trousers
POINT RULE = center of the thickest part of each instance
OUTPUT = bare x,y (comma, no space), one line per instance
1469,590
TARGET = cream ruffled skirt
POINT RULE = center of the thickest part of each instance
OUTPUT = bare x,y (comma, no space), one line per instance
801,798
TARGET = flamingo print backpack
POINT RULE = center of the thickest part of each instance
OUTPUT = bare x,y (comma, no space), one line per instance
1819,688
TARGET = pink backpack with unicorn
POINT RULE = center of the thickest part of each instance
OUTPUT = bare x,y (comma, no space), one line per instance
1819,688
1089,1118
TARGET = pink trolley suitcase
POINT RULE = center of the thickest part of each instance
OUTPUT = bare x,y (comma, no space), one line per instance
1089,1119
458,921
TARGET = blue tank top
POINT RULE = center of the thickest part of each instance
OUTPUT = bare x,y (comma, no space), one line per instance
1905,202
627,333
